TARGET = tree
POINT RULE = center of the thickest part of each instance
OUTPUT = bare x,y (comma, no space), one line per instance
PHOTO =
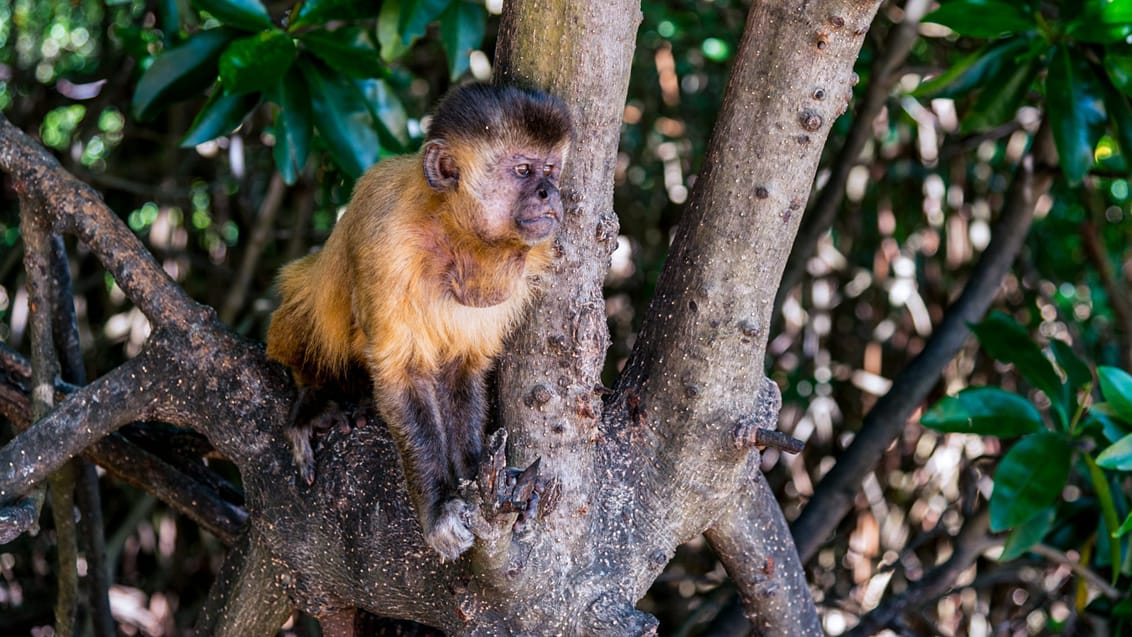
983,165
671,446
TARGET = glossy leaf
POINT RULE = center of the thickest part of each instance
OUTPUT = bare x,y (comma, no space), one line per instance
255,63
389,37
986,411
1116,387
348,50
180,72
416,16
1029,478
249,15
293,125
392,120
1005,340
1002,96
982,18
317,12
343,119
1117,456
461,29
1076,371
1119,117
973,71
1028,534
222,114
1074,102
1102,22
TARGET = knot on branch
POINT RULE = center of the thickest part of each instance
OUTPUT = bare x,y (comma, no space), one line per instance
504,490
759,430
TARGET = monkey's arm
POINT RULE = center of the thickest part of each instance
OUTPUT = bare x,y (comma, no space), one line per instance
413,411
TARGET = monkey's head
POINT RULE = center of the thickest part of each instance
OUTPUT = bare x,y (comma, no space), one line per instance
496,153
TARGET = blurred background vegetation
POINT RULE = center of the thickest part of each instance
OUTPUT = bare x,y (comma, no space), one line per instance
227,134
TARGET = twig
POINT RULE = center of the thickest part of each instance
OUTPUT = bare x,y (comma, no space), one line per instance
1080,570
833,496
265,223
1098,256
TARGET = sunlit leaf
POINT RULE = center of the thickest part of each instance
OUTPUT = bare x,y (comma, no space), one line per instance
1005,340
343,119
1116,387
1076,110
389,37
222,114
1102,22
982,18
293,125
180,72
986,411
1029,478
1119,117
1028,534
1118,456
317,12
392,120
249,15
1126,527
346,49
461,29
255,63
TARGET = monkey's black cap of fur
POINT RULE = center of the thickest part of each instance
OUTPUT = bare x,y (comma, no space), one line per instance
489,112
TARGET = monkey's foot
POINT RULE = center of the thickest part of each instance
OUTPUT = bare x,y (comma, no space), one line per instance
313,411
506,490
449,534
300,439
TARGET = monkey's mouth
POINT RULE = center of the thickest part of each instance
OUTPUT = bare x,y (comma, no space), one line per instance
538,227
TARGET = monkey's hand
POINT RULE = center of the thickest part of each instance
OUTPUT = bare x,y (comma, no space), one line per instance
449,533
313,410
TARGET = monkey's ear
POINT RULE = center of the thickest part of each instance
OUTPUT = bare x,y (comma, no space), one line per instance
440,168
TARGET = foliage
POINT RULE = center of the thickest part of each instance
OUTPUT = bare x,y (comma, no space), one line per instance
181,114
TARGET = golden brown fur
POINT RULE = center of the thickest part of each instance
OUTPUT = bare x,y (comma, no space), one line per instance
419,284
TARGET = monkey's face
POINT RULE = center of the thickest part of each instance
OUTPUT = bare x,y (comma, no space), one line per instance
535,203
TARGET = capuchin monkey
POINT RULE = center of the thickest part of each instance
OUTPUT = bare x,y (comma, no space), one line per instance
422,278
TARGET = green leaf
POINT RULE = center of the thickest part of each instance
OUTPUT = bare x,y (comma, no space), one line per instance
416,16
249,15
221,114
393,45
1007,341
1118,456
255,63
1108,511
982,18
1116,387
343,119
1075,107
1126,527
1027,534
1119,67
973,71
1029,478
1076,371
461,29
318,12
180,72
1119,116
1102,22
986,411
392,120
346,49
293,126
1001,96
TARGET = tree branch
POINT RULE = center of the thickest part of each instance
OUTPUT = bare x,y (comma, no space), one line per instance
752,539
833,496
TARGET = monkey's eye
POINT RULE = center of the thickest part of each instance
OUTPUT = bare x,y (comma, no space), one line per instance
523,170
547,169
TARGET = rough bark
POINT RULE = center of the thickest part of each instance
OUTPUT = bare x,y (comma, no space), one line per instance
667,456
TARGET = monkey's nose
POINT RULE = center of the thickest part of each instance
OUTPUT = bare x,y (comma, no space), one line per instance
542,193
